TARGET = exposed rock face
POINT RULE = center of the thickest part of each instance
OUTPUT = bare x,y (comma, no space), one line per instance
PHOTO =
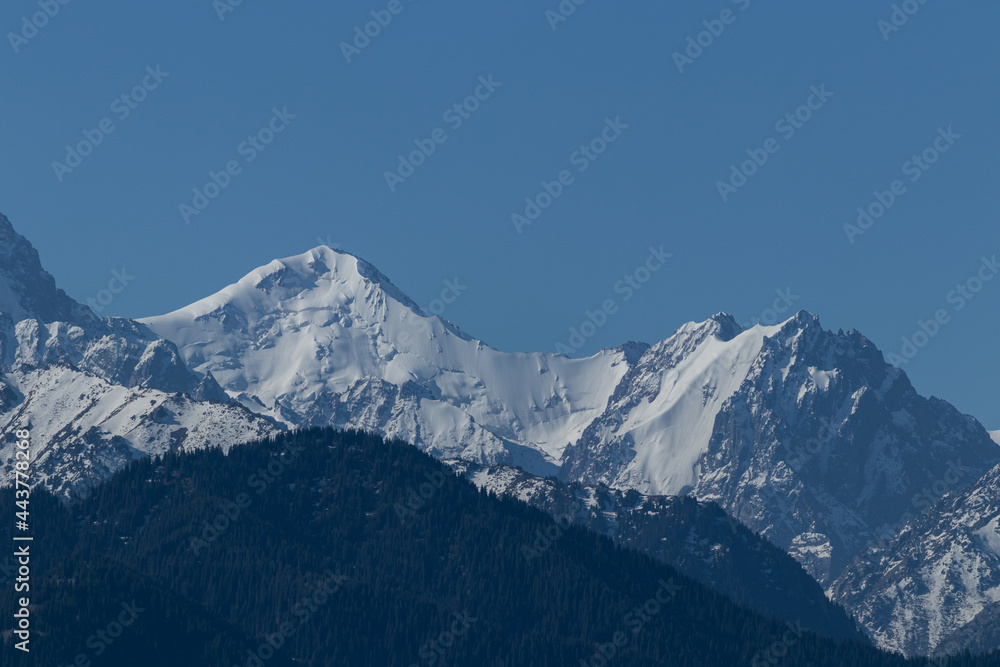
934,587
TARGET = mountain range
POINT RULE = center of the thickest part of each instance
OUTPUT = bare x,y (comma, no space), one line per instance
332,564
888,499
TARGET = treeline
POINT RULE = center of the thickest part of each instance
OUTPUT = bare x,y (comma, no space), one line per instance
326,548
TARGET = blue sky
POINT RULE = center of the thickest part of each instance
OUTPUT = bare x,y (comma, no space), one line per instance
322,177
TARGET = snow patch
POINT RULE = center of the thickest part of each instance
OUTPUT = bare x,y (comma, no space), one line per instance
990,534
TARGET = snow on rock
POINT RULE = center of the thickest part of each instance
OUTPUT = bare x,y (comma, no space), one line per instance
659,422
95,392
800,450
84,428
923,591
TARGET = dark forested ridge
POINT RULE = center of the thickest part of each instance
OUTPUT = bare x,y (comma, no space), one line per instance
330,548
695,537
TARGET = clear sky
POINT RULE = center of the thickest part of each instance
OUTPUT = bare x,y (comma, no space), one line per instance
608,69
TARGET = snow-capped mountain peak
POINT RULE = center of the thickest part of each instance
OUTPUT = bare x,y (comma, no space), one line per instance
322,277
325,338
97,392
807,436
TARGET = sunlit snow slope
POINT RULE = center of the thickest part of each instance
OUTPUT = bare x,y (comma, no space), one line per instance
324,338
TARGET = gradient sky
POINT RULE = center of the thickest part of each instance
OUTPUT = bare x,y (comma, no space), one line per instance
322,179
